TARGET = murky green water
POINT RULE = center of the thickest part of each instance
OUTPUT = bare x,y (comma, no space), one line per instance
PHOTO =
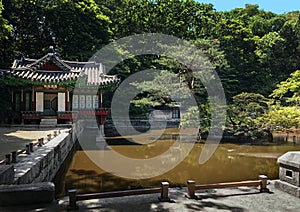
230,162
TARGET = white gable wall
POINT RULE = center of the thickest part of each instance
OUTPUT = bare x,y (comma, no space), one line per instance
61,102
39,101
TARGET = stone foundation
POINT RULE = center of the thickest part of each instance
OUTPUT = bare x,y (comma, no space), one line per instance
138,125
288,188
26,194
43,164
289,173
6,174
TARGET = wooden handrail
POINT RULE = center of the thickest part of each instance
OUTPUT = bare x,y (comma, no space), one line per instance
227,185
192,187
74,197
117,194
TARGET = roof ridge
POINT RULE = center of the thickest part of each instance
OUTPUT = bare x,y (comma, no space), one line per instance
49,57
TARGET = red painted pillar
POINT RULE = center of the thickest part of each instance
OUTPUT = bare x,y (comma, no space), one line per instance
67,101
33,99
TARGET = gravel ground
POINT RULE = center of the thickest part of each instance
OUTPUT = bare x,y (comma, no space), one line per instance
233,199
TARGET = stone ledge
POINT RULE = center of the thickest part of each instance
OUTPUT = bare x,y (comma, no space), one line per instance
42,164
26,194
288,188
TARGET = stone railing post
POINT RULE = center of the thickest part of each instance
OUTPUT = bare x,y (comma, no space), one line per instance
31,147
7,159
27,149
14,156
72,199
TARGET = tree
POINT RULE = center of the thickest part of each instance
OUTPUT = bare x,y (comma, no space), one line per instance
185,19
281,118
78,28
289,90
5,31
27,19
244,113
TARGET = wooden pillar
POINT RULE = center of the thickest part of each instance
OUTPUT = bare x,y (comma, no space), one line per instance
164,197
191,189
33,99
22,106
12,96
263,183
67,101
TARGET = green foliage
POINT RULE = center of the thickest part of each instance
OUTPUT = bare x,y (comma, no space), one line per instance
284,117
5,31
281,118
78,28
185,19
197,117
244,114
289,90
159,90
251,49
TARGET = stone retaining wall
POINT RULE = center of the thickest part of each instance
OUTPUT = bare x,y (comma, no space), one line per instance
6,174
43,164
139,125
26,194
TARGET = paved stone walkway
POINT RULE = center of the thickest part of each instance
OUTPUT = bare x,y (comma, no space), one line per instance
233,199
15,138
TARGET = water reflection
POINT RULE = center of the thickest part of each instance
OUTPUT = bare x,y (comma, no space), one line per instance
230,162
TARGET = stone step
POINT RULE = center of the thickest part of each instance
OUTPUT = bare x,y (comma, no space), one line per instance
48,122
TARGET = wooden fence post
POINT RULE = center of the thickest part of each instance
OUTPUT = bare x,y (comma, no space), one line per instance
72,199
164,197
191,189
263,183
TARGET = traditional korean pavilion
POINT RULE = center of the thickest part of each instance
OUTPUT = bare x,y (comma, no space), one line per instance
57,89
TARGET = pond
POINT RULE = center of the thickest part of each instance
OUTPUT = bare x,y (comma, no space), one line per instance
230,162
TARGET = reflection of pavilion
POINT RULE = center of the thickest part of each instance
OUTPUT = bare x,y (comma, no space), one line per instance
45,89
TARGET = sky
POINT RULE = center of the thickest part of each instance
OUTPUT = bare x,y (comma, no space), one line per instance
275,6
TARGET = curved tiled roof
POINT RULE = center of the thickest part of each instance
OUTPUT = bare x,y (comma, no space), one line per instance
34,70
